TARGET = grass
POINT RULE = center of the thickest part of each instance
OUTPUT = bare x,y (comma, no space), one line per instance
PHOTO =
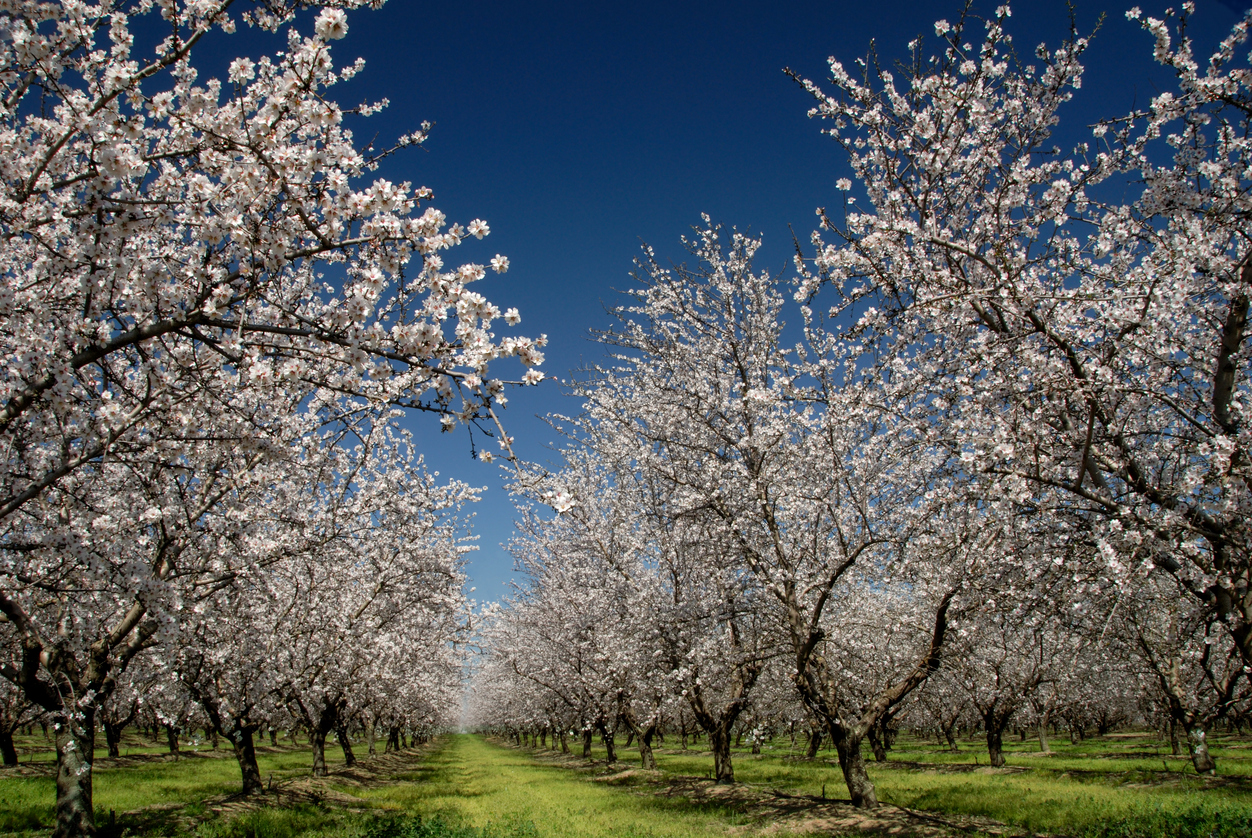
1096,788
471,781
146,777
1121,786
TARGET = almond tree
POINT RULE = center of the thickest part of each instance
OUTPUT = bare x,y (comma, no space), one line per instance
1083,310
165,323
820,498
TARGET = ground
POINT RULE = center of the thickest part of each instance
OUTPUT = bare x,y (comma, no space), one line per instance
1121,785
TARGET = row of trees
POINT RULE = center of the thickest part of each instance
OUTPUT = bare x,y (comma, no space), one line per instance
1002,454
212,313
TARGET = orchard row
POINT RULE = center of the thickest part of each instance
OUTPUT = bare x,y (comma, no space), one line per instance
212,313
984,454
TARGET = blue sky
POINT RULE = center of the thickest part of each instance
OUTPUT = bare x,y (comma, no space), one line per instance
578,130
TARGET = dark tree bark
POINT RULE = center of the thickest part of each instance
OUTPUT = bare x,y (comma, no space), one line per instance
995,718
876,744
171,739
719,722
607,736
241,740
341,733
7,750
719,744
113,738
642,733
815,740
586,743
317,739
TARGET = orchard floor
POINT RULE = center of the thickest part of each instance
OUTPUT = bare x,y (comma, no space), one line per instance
1120,786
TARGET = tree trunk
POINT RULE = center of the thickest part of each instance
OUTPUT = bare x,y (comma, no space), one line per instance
1175,743
949,733
341,733
855,775
317,738
113,737
245,754
995,741
171,739
273,738
610,748
645,747
371,739
586,743
1200,756
564,742
815,742
1044,748
719,743
876,745
7,750
76,745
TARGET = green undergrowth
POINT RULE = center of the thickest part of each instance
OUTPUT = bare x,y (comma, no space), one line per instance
1120,786
471,782
155,785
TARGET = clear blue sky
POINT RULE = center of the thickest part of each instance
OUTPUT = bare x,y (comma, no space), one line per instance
578,130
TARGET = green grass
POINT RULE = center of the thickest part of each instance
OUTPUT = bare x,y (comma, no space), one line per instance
1111,787
473,782
27,802
1122,786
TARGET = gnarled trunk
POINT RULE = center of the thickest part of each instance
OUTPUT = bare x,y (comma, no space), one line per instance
876,744
1200,756
241,740
7,750
586,743
995,746
719,743
606,735
113,737
171,739
76,745
341,733
646,757
815,742
855,774
317,738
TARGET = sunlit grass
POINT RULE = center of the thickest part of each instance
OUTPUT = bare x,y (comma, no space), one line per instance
1122,786
1091,788
27,802
475,782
